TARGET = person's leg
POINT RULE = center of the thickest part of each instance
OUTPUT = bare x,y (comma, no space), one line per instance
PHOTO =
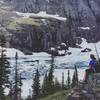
86,74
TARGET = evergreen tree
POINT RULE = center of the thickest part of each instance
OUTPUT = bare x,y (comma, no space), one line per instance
68,80
48,84
62,80
75,78
30,95
4,68
76,72
11,90
16,89
50,76
36,86
20,85
45,86
17,82
2,41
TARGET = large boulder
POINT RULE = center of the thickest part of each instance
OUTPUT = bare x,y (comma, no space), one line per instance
94,82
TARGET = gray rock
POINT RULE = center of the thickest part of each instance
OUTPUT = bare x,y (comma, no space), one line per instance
79,13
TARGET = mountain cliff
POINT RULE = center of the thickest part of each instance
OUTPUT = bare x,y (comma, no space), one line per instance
82,20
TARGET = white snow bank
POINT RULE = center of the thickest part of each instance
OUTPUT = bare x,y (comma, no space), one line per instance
41,14
85,28
92,46
11,52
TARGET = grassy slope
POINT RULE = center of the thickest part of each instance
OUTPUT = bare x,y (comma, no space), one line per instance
62,95
10,20
22,21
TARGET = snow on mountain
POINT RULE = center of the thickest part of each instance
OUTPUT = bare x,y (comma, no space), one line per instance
85,28
29,63
41,14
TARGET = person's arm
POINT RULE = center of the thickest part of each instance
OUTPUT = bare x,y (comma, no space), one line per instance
90,64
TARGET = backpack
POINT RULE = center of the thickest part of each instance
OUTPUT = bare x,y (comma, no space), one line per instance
97,67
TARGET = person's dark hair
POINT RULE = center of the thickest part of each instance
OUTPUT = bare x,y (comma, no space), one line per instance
92,56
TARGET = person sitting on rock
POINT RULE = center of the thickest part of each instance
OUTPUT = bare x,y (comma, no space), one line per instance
92,67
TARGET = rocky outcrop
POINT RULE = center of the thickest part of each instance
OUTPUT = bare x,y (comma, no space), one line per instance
89,91
42,37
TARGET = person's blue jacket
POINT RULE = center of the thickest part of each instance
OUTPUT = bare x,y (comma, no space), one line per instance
92,64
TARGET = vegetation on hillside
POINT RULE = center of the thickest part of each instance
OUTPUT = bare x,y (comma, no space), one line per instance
61,95
15,24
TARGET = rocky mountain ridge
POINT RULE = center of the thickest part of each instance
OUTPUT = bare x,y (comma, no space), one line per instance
83,20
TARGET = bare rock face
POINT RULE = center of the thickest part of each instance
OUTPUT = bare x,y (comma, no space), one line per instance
83,20
50,6
85,7
37,38
87,12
